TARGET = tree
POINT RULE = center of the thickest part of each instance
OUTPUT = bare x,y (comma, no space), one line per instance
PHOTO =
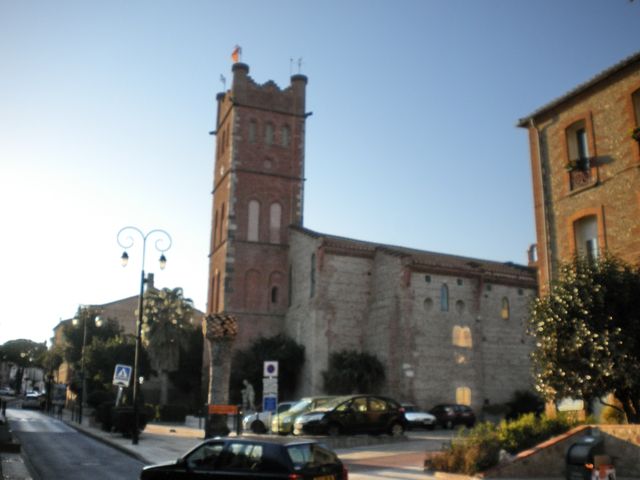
248,364
23,353
103,355
587,332
188,377
166,316
353,372
74,337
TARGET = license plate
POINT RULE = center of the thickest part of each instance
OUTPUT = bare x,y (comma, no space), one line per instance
325,477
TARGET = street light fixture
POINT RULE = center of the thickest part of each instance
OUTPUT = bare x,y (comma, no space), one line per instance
162,244
82,396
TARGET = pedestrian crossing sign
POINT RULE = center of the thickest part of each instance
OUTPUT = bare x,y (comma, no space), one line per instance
122,375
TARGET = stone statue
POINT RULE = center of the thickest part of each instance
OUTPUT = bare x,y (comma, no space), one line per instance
248,396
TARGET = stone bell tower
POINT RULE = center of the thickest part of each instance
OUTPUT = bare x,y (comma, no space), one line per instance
257,194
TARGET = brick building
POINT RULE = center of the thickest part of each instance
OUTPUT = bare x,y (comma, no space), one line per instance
585,169
447,328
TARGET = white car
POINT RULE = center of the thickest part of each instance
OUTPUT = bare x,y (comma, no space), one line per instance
417,418
257,421
6,391
33,400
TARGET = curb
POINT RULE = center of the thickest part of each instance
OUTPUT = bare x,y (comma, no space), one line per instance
106,441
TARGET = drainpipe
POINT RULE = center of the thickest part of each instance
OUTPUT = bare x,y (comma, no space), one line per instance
543,204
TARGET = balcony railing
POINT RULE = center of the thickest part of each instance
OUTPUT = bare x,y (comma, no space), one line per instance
581,173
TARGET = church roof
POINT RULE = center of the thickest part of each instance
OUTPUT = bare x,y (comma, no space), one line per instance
630,60
424,260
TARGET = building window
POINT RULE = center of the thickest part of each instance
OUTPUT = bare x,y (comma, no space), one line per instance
221,224
463,395
578,144
215,231
504,311
635,97
444,298
253,128
268,134
312,276
274,295
428,304
253,221
427,278
585,231
284,136
461,337
216,289
275,218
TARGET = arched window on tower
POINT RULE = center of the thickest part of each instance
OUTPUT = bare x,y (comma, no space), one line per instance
221,224
444,298
275,218
461,337
505,311
253,129
253,221
635,98
284,136
268,134
214,237
216,290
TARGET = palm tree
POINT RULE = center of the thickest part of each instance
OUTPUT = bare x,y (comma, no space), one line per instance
166,314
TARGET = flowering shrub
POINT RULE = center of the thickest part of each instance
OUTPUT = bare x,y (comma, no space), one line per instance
478,449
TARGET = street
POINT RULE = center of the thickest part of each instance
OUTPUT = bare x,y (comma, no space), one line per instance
56,451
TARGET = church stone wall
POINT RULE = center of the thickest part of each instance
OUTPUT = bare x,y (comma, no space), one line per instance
505,343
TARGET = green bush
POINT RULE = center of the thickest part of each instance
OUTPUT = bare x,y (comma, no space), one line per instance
123,419
478,449
98,397
172,413
102,415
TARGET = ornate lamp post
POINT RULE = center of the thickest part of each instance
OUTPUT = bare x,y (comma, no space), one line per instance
162,244
83,389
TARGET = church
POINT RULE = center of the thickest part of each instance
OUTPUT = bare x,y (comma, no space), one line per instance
448,329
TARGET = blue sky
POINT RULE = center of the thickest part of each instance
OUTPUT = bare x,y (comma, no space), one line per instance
105,109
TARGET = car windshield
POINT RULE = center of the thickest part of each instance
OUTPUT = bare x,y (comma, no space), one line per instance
300,406
330,404
310,455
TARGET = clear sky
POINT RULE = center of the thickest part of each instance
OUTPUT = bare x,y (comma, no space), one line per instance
105,109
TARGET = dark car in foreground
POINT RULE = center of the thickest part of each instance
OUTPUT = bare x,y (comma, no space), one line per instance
353,414
253,458
452,415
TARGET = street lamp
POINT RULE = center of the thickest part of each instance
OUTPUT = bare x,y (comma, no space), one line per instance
82,396
162,244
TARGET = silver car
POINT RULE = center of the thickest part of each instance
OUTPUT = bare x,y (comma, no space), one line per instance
417,418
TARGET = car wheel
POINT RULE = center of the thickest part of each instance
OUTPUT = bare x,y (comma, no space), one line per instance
258,427
396,430
448,425
333,430
431,426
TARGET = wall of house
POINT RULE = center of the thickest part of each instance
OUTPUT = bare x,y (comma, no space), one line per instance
608,115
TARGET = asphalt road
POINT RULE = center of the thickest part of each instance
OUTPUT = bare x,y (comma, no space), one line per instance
56,451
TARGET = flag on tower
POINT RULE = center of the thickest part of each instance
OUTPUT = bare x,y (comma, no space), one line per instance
235,55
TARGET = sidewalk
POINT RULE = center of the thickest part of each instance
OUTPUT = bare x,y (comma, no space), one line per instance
164,442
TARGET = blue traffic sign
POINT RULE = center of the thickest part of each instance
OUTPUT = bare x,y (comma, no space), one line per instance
122,375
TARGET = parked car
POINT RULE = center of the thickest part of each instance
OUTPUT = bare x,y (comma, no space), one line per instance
416,418
275,458
451,415
283,423
353,414
7,391
259,422
33,400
